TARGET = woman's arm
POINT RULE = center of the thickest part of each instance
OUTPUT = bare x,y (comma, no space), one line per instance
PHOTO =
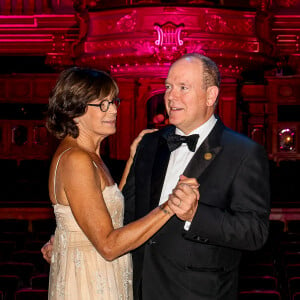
133,147
90,211
126,172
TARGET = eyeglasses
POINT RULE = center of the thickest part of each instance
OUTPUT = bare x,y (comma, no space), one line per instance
104,104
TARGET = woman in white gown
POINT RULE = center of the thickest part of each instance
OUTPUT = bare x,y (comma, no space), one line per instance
90,257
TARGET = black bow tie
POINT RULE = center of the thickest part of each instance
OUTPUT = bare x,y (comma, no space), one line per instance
175,140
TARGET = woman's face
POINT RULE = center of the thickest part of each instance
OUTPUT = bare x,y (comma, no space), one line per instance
96,122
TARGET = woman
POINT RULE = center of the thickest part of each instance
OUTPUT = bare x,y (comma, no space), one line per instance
89,259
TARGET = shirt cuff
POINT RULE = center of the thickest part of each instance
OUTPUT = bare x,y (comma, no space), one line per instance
187,225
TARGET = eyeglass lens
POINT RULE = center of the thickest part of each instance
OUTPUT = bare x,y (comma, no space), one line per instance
104,105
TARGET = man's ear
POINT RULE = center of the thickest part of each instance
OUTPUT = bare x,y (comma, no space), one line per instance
212,95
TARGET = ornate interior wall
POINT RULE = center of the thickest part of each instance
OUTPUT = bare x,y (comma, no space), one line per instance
254,43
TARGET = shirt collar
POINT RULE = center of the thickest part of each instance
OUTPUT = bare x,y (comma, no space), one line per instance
202,130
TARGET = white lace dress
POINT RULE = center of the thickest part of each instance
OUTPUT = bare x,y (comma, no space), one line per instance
78,271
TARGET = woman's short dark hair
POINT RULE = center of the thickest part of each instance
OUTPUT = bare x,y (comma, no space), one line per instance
75,88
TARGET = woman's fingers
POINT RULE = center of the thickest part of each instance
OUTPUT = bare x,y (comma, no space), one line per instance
137,140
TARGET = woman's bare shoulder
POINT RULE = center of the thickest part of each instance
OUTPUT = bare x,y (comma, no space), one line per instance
77,158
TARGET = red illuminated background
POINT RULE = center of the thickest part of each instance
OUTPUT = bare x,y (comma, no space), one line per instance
254,42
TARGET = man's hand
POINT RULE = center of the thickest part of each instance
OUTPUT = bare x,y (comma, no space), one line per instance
184,198
47,249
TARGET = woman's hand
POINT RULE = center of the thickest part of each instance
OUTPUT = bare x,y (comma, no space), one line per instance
137,141
132,154
184,199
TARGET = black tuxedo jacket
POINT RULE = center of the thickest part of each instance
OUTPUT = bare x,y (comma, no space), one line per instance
232,215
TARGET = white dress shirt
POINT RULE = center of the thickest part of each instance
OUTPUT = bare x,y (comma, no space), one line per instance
180,158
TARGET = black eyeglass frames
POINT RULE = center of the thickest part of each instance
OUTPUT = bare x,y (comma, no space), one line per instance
104,104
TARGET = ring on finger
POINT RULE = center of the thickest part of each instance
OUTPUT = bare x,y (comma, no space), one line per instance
179,203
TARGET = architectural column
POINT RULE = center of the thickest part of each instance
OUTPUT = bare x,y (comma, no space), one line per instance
227,107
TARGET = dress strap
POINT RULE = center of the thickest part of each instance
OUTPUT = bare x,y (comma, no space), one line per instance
54,183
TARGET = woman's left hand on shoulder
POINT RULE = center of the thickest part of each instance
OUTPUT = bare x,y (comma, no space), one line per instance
137,140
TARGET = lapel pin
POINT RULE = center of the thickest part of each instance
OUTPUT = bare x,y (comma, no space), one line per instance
207,156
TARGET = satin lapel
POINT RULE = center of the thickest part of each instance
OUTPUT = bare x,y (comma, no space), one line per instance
206,153
201,160
159,170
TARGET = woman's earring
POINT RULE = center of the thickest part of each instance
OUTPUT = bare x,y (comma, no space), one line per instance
76,120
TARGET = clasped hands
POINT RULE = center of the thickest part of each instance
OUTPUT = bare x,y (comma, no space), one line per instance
183,202
184,198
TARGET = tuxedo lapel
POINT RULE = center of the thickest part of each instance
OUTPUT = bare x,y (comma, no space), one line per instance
206,153
160,166
203,157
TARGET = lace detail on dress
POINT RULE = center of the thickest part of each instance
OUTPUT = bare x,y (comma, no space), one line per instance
77,258
77,270
100,283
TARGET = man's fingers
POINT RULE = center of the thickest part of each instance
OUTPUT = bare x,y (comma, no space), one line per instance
47,249
186,193
191,181
196,191
175,200
173,204
46,254
183,187
47,258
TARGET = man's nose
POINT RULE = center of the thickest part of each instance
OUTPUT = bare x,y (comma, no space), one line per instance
172,94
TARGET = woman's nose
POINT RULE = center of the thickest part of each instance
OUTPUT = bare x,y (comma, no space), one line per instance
112,108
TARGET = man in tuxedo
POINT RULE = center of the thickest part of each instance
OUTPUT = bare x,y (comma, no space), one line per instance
196,255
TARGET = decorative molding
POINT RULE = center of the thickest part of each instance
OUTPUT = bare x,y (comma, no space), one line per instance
125,37
37,34
169,44
168,34
217,23
287,3
127,23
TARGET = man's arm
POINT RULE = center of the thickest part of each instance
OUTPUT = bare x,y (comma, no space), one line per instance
244,223
129,196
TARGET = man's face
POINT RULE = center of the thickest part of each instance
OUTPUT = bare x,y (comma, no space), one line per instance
187,103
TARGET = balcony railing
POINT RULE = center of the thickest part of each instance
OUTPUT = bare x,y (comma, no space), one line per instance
30,7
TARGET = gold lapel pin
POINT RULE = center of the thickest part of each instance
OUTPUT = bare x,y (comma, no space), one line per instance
207,156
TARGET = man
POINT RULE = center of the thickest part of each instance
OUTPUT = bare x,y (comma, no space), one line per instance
198,259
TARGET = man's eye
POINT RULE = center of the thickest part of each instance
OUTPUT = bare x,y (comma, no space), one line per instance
167,87
184,87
